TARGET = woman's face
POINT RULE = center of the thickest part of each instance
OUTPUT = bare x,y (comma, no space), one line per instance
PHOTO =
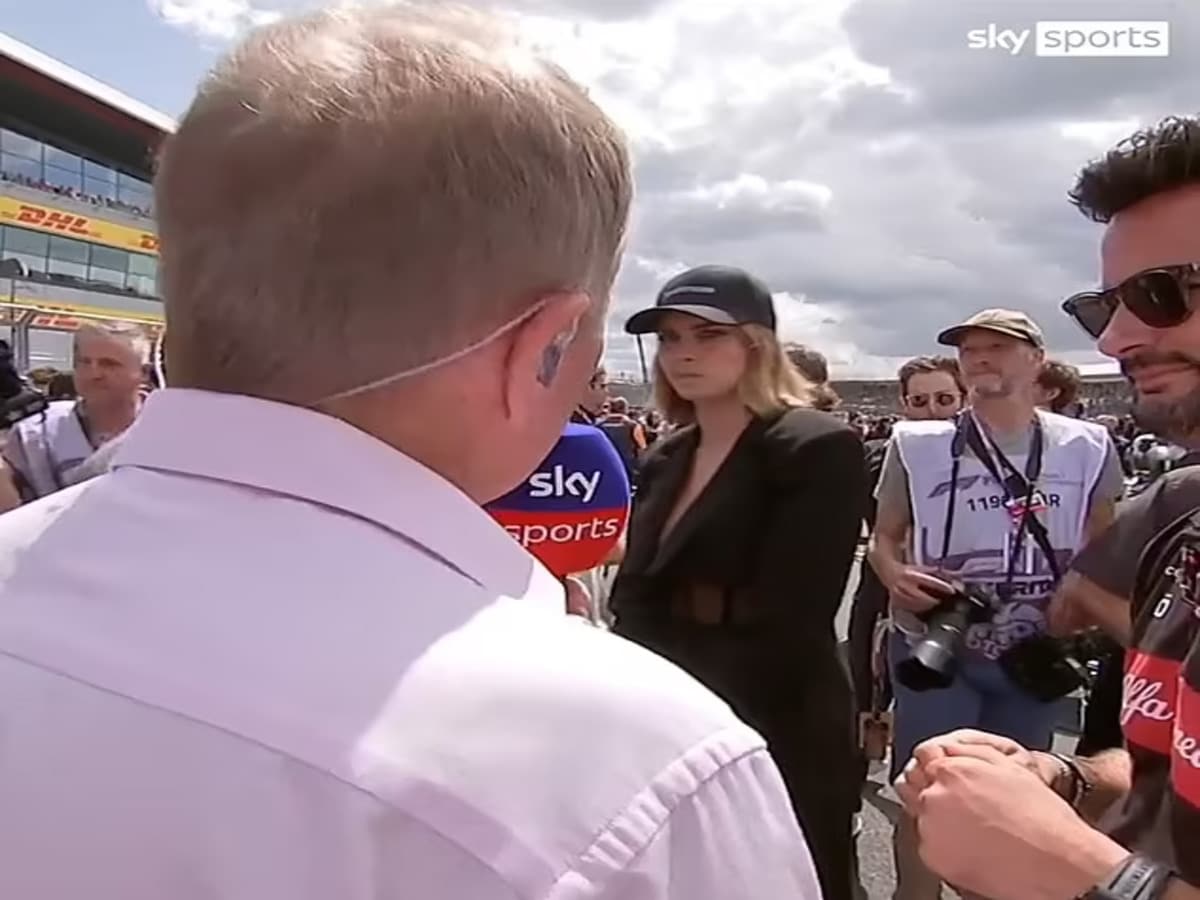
700,359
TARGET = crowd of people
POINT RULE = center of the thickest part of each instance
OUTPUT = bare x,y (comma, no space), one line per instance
259,636
73,193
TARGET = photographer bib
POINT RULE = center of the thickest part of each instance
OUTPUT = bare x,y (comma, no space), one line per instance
51,445
983,523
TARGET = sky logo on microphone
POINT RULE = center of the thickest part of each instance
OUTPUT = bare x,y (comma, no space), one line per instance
572,511
558,482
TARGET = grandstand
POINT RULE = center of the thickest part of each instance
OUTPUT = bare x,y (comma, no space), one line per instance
77,235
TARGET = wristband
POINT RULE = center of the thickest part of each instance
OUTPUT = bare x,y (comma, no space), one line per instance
1080,785
1137,878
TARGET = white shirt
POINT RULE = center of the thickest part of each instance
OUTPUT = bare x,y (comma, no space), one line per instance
291,663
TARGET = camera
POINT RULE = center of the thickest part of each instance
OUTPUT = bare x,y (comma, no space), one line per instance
933,661
1047,668
1050,668
17,400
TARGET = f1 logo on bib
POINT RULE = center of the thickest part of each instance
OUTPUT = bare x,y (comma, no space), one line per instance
559,483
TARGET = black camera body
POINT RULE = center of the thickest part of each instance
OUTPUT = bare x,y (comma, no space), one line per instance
17,399
932,663
1047,668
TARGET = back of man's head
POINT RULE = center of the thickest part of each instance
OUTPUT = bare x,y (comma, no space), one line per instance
358,193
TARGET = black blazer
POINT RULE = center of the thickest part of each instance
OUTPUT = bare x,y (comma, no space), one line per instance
780,520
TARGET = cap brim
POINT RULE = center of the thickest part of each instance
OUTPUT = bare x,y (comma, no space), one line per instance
646,321
952,337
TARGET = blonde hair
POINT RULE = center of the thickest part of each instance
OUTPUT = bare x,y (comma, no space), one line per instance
770,384
357,192
129,333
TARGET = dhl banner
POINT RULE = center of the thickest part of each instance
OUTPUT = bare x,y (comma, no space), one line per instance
69,224
69,316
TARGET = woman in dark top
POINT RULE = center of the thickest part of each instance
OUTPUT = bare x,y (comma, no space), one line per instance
741,538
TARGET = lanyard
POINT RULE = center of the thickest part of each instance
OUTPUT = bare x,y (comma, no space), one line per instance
1017,485
1020,490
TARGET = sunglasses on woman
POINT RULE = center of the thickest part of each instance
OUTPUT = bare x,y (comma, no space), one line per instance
941,398
1160,298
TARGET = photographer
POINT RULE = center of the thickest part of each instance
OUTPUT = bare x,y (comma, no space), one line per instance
999,500
987,820
43,450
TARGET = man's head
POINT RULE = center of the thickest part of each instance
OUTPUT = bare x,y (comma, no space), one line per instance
1000,352
1058,386
813,365
108,363
931,388
374,210
618,406
596,392
1147,191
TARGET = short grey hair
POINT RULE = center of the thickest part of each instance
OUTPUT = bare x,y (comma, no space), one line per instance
357,192
127,332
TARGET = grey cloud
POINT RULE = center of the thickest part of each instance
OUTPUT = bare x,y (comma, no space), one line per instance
948,186
924,45
588,9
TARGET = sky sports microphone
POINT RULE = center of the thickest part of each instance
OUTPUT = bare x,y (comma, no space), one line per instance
571,512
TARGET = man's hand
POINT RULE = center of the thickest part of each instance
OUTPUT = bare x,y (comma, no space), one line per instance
915,588
1080,603
989,825
915,777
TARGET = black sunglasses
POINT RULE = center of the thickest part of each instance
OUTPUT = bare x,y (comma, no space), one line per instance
1160,298
941,398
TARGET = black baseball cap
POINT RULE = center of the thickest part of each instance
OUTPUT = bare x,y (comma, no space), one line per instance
720,294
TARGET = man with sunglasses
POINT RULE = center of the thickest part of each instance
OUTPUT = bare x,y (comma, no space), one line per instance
930,388
1000,498
988,818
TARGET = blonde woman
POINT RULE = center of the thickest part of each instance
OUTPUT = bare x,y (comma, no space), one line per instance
742,534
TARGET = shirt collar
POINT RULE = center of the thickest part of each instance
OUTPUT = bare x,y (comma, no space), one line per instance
299,453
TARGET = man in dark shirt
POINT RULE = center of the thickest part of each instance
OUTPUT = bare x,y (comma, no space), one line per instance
1098,587
987,821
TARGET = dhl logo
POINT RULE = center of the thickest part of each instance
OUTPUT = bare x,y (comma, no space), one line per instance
57,221
52,220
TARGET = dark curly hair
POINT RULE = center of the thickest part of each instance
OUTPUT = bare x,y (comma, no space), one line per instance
1061,377
813,366
1148,162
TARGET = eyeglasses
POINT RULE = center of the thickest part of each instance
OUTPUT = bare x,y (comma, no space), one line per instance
941,398
1160,298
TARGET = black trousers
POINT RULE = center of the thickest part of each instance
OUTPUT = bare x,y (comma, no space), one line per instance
799,699
869,606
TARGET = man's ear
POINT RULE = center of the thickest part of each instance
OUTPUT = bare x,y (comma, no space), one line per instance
538,348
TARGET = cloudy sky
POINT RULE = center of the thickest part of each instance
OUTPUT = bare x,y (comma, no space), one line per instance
882,176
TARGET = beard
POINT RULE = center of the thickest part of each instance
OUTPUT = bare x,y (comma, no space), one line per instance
1175,419
992,385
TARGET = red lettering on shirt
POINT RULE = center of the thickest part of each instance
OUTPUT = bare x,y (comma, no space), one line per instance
1185,760
1148,706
